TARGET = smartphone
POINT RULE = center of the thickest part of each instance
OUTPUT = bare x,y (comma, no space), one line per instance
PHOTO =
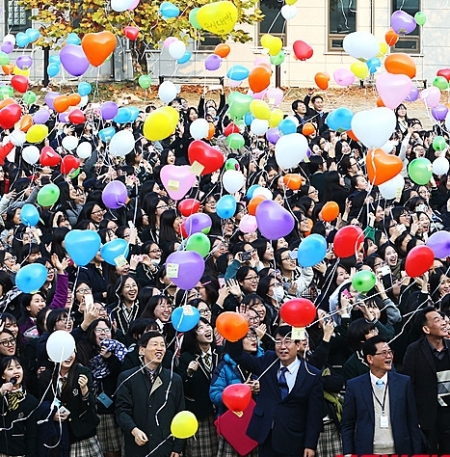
88,299
221,282
246,256
414,218
385,270
346,294
401,228
63,410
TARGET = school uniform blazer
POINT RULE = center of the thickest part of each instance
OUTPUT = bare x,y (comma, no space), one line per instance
296,421
358,419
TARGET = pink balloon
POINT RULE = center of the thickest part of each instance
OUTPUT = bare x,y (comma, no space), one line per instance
431,96
177,180
169,41
134,5
233,83
393,89
343,77
248,224
261,60
274,95
257,95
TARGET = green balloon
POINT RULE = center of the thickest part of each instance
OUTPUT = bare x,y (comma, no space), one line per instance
239,104
440,82
420,171
234,141
439,143
364,280
4,58
48,195
199,242
75,173
6,92
232,164
278,59
145,81
29,97
193,19
420,18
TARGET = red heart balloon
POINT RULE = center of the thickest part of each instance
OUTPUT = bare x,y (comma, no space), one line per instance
236,397
302,50
9,115
381,166
188,206
76,116
211,159
4,151
131,32
69,163
298,312
231,128
445,72
20,83
49,157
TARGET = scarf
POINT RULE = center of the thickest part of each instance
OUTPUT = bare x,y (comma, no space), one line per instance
99,365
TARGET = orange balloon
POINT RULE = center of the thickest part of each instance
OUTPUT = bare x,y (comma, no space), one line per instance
211,130
352,135
222,50
254,203
292,181
232,326
74,99
259,78
381,166
61,103
400,64
330,211
391,37
8,69
98,46
6,102
25,123
322,80
308,129
380,102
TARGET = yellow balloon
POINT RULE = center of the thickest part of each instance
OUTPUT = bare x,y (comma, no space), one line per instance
260,109
384,49
160,124
276,116
184,425
275,46
266,40
218,17
37,133
18,71
173,114
360,69
291,2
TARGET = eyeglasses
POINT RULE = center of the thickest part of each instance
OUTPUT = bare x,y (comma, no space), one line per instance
284,341
384,354
315,191
276,284
10,258
378,265
99,211
251,336
65,320
83,291
254,319
287,259
7,343
163,207
251,278
164,306
154,251
102,331
204,312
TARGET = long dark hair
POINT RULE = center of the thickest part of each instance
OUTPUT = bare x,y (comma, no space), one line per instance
88,348
190,343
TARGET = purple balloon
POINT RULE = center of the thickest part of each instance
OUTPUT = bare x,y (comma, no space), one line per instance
439,243
402,23
185,268
42,116
24,62
73,59
439,112
273,220
273,135
62,117
115,195
413,95
213,62
198,222
49,98
109,110
7,47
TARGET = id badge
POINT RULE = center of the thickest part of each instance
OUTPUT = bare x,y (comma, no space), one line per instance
384,421
104,400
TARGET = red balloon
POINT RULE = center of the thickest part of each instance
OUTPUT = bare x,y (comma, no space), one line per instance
131,32
347,241
418,261
188,206
302,50
20,83
236,397
298,312
76,116
49,157
231,128
211,159
445,72
4,151
183,231
9,115
69,164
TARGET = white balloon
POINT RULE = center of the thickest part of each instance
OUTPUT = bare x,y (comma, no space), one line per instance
121,5
264,192
361,45
199,129
289,11
374,127
388,146
30,154
18,137
167,91
11,38
177,49
440,166
391,188
84,150
60,346
259,126
447,121
290,150
84,101
70,143
233,181
121,143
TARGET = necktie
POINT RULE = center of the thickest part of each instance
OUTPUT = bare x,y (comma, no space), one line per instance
62,383
14,398
207,360
151,375
282,383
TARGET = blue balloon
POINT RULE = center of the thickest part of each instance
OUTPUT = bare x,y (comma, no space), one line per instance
53,69
186,58
123,116
29,215
22,40
312,250
169,10
54,59
238,73
73,38
106,134
114,249
340,119
84,88
249,118
134,113
31,278
373,64
226,207
251,190
287,126
82,245
32,34
185,319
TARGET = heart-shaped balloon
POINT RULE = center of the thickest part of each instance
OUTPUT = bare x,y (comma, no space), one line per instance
209,158
9,115
445,72
49,157
185,268
188,206
69,164
382,167
217,17
177,180
20,83
131,32
76,116
74,99
61,103
236,397
74,60
393,88
4,151
273,220
374,127
431,96
402,23
98,46
87,239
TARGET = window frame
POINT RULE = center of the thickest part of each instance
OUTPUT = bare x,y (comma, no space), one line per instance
15,29
415,37
337,36
282,34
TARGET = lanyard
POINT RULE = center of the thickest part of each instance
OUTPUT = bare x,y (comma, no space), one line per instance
384,397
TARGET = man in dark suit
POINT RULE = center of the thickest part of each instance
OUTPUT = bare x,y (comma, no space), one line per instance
379,415
287,419
316,114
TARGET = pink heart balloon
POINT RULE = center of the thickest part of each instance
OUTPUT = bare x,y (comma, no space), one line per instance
431,96
393,89
248,224
177,180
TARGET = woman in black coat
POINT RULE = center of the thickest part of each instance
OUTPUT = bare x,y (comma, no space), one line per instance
335,190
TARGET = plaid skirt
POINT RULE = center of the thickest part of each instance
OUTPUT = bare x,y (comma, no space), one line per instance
204,443
330,443
90,447
226,450
109,433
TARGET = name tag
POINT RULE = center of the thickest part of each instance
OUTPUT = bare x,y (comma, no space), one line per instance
384,421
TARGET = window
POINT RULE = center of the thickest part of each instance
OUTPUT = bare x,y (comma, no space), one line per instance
342,21
273,22
409,44
209,42
18,17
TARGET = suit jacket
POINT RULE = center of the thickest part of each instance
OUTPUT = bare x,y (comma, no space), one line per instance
358,418
419,365
296,421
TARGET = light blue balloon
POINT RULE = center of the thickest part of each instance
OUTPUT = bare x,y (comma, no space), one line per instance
53,69
251,190
134,113
238,73
29,215
106,134
113,249
287,126
340,119
84,88
312,250
186,58
32,34
82,245
31,278
73,38
22,40
183,322
226,207
54,59
169,10
123,116
373,64
249,118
